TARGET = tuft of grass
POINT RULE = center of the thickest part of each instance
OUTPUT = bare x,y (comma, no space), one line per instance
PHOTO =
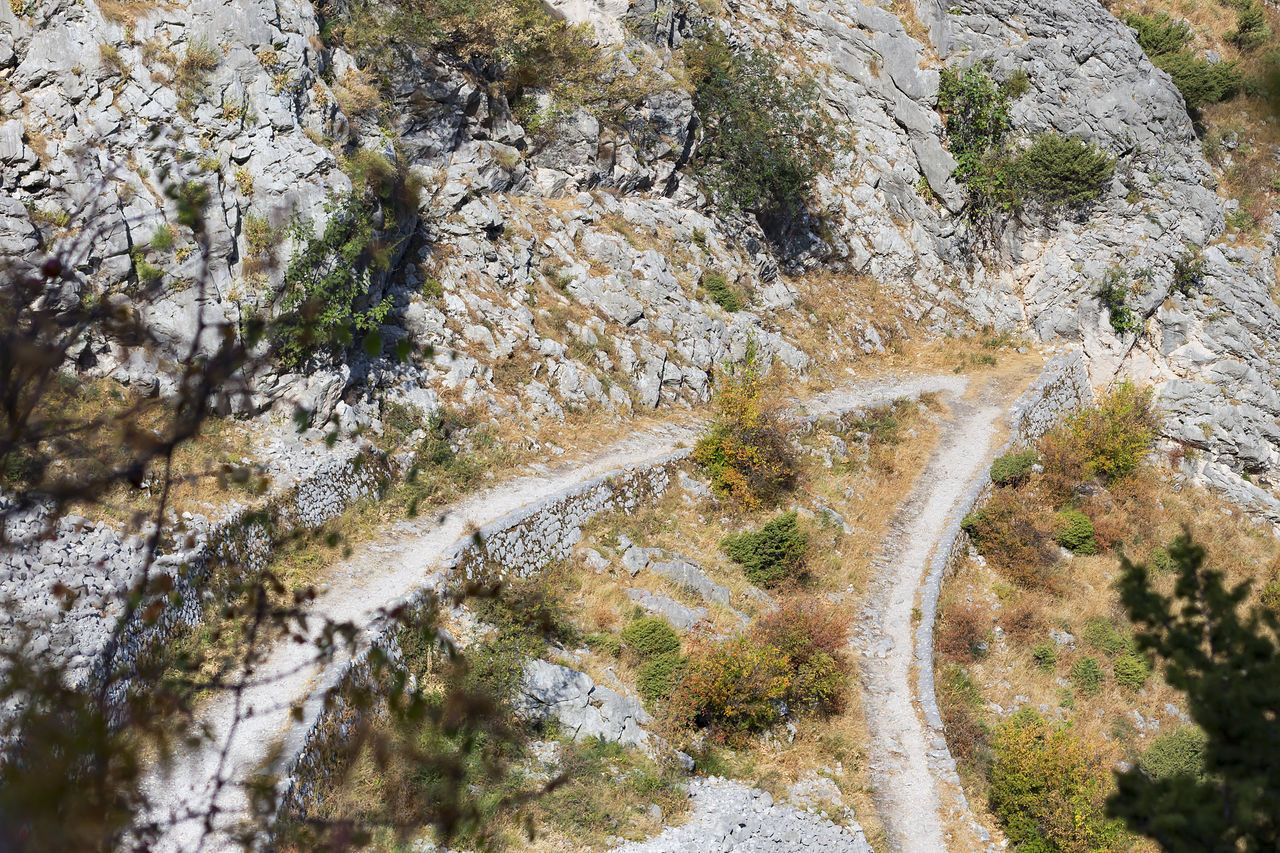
162,239
719,291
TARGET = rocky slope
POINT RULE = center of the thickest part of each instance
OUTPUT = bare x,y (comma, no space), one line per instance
561,260
568,260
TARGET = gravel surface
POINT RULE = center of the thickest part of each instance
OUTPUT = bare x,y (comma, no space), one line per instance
913,772
727,815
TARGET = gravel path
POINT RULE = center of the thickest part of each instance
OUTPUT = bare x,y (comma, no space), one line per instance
914,775
257,731
728,815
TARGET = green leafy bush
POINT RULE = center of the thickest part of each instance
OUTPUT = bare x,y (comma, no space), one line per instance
1166,41
522,37
1049,788
1132,671
650,636
1270,595
733,689
1054,171
1102,636
1160,35
605,644
1188,273
1013,468
771,554
1061,171
793,658
764,137
1045,655
326,286
1075,532
659,676
1159,560
1179,753
720,292
747,453
1013,534
1113,293
977,122
1108,440
531,610
162,239
1086,676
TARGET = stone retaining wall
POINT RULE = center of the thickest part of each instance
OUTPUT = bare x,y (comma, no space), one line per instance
523,543
100,565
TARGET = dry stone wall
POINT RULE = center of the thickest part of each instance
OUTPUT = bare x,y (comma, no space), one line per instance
98,565
521,543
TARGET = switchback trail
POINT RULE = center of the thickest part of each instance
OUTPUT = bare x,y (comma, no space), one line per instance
914,776
254,731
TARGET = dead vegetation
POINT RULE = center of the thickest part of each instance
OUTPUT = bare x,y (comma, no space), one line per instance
1054,638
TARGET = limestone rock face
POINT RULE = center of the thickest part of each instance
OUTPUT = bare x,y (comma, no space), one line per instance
585,709
560,263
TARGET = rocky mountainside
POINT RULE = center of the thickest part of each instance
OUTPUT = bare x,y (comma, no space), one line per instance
558,258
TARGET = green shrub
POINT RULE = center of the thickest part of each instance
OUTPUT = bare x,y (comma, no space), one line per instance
1113,293
1075,532
147,272
747,452
1270,595
1114,436
1165,42
1159,561
793,657
734,688
1061,171
1188,273
1049,788
162,239
605,644
1086,676
1159,34
1016,84
1132,671
1013,468
1251,26
1045,655
765,137
1179,753
1013,535
977,122
650,636
1055,171
531,610
659,677
529,44
771,554
1201,83
326,286
720,292
1102,636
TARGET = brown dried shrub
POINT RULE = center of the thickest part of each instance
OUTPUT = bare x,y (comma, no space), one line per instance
961,632
1024,622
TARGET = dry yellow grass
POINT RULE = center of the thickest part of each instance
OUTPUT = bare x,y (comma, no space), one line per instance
1145,512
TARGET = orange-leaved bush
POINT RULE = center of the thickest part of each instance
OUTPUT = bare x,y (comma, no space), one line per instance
747,453
792,660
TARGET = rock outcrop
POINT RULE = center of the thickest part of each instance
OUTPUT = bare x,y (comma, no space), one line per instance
558,269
